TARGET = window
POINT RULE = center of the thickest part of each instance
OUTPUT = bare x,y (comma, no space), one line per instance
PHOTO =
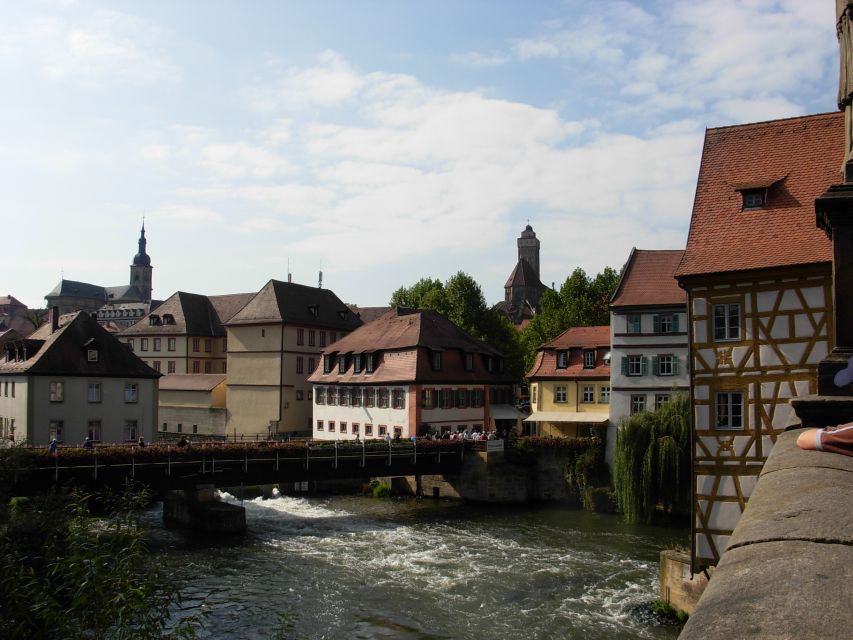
660,400
157,344
57,391
163,428
171,344
131,429
355,428
93,431
312,335
383,429
196,366
369,366
560,394
399,399
180,428
300,365
195,428
398,432
634,366
13,388
562,359
665,365
143,344
754,198
589,359
56,429
604,394
131,392
588,393
469,362
208,366
322,338
320,426
196,342
342,363
332,396
665,323
445,398
634,323
91,355
208,345
343,396
94,392
300,336
327,364
436,360
321,395
356,364
426,399
638,404
130,343
368,429
312,364
730,410
369,397
300,394
382,399
343,428
331,425
727,321
355,397
170,366
533,392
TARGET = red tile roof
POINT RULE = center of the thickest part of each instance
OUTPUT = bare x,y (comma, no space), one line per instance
648,280
801,157
574,340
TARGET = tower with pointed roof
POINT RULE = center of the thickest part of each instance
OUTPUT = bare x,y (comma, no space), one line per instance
528,248
140,269
523,287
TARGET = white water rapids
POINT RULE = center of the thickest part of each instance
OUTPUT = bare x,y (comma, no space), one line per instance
355,567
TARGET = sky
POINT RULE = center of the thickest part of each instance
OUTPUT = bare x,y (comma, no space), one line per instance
380,140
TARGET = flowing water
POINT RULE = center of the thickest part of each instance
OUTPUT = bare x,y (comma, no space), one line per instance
356,567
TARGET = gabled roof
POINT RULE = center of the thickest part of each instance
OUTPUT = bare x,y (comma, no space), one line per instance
11,301
193,314
523,275
649,280
291,303
575,340
124,292
191,381
227,306
368,314
581,338
78,290
799,158
64,353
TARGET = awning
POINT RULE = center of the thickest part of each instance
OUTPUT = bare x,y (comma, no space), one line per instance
568,416
504,412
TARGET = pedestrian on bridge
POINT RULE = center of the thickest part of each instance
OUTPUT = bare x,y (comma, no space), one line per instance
52,447
88,444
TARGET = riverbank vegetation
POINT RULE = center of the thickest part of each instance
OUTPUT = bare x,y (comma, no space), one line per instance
652,463
66,575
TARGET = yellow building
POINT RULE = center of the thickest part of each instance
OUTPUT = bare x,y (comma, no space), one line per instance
757,272
274,344
570,384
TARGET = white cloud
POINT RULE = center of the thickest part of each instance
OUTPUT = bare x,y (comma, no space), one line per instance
187,214
478,59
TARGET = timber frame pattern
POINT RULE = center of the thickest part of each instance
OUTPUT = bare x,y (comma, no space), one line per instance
785,322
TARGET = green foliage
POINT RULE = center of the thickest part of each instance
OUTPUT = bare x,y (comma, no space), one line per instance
67,575
652,462
581,302
381,490
461,301
666,610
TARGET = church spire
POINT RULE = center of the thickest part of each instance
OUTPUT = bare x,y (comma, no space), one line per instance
141,259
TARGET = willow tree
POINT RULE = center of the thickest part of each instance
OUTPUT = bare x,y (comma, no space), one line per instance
652,462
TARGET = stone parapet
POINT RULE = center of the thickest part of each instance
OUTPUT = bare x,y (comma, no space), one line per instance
789,565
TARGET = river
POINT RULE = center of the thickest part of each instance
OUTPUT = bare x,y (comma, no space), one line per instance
349,567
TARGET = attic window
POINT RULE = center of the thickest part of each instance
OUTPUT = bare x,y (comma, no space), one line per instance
91,355
168,318
343,314
314,309
154,319
436,360
754,198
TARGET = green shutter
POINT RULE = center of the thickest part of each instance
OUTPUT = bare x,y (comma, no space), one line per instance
675,323
644,365
624,365
656,322
655,366
675,365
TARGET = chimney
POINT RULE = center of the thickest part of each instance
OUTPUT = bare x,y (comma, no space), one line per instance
54,319
320,283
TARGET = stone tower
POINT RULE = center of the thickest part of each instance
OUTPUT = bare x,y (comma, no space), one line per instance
140,270
528,248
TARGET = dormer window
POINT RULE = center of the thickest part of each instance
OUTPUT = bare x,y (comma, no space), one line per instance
314,310
589,359
754,198
562,359
168,318
357,363
154,320
343,314
436,360
370,362
91,355
342,363
327,364
469,362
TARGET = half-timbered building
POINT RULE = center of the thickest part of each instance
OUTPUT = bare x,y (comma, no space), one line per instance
757,272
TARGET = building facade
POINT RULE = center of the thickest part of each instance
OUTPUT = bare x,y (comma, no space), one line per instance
757,273
192,404
274,343
570,384
186,334
410,372
72,379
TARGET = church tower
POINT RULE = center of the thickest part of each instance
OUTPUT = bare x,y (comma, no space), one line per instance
528,248
140,270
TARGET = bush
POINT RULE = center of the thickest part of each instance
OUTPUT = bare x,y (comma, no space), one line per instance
599,500
381,490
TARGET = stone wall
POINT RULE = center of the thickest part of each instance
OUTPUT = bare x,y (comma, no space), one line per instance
678,586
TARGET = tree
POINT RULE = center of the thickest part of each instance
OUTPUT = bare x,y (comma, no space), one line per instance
652,462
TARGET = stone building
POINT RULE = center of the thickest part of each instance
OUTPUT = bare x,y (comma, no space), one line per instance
523,287
192,404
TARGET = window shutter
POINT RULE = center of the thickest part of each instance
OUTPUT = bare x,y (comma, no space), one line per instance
656,320
644,365
675,323
675,365
655,366
624,365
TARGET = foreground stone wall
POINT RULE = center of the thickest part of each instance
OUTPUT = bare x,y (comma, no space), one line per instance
789,565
